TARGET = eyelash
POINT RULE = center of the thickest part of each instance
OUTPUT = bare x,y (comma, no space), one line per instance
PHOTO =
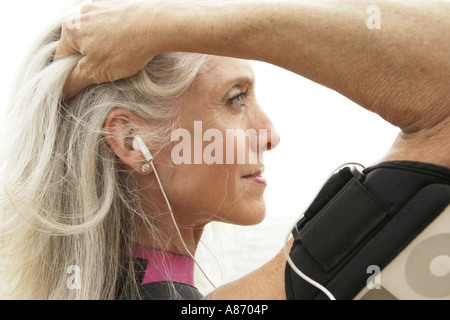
236,97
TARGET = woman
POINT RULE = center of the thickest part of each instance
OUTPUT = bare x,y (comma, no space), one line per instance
85,216
399,72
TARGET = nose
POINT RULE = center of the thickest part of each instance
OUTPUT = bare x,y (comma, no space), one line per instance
274,139
268,139
268,135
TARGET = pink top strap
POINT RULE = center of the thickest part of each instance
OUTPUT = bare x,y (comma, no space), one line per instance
165,266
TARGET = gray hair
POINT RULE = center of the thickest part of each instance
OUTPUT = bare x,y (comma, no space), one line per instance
66,201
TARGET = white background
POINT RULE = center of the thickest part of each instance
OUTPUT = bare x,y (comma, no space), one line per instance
319,129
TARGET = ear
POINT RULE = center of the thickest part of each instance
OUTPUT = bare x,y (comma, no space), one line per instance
120,127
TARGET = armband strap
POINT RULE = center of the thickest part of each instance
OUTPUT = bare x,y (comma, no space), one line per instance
362,219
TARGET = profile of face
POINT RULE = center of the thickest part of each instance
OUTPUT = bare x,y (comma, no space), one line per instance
221,99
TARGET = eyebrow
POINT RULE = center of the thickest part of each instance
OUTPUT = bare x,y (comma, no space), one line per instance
247,80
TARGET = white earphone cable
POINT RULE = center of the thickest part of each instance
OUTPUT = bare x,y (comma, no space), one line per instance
286,251
176,225
138,143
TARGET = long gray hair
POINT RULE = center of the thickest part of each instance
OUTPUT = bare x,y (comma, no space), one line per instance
66,201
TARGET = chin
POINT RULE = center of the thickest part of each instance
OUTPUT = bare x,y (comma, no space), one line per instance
248,215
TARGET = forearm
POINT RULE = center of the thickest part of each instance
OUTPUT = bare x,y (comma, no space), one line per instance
399,71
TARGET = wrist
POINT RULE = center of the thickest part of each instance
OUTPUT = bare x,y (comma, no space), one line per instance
166,25
152,19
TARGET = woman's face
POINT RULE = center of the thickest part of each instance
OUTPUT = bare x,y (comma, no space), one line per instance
211,176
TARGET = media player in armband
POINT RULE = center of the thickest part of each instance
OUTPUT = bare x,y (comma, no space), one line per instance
379,233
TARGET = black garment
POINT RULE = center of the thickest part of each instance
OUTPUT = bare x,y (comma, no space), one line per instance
169,291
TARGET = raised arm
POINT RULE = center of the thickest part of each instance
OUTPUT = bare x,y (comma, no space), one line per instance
399,71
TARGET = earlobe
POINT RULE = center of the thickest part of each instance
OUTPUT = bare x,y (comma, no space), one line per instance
118,131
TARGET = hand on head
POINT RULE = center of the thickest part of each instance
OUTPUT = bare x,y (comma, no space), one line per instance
110,39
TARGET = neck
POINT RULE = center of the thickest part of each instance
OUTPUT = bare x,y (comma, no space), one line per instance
167,238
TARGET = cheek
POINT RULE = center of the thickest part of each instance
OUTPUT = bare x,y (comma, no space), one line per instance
216,190
217,193
201,188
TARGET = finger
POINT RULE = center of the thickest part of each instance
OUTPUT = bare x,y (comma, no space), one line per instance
78,80
68,44
86,8
64,50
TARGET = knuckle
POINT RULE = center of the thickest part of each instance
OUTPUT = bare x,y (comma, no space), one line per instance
70,25
91,7
86,8
65,27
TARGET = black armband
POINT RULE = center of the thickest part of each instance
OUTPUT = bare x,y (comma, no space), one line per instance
362,219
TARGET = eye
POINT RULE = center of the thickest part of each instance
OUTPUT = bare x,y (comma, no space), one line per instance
238,99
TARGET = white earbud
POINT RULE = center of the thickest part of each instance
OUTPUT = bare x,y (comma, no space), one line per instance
139,145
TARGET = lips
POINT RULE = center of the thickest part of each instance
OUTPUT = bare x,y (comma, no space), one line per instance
256,177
